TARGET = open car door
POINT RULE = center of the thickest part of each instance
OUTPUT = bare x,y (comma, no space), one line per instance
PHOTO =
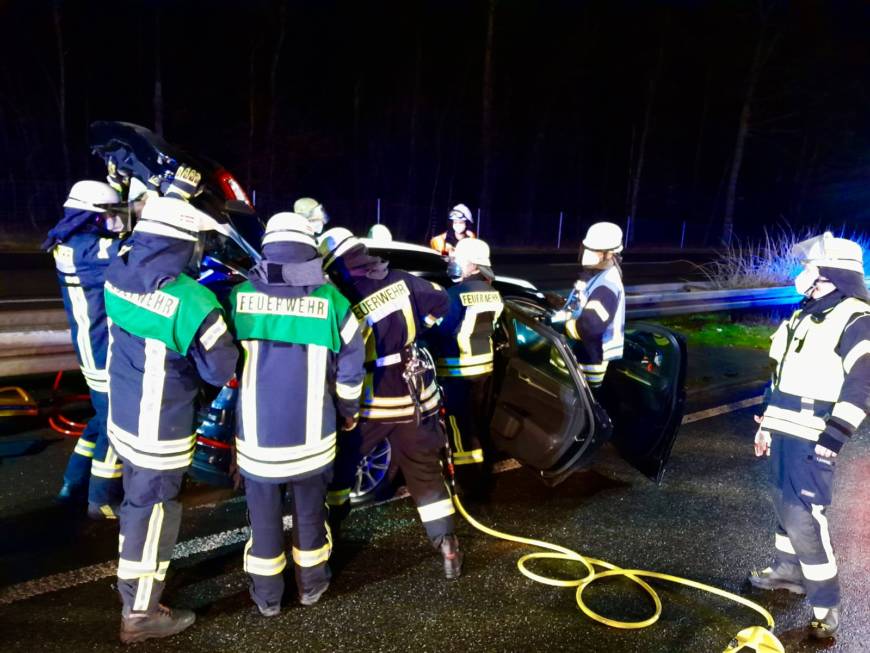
543,411
644,393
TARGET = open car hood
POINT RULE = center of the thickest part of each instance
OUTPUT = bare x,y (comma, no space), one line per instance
141,153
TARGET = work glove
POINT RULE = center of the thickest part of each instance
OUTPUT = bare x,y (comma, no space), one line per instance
185,184
559,316
762,439
117,180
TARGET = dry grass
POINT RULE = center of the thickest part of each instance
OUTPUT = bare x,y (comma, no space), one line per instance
767,262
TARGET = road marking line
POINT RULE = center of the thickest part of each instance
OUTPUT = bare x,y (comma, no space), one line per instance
721,410
207,543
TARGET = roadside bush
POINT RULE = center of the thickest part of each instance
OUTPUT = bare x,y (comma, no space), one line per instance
767,262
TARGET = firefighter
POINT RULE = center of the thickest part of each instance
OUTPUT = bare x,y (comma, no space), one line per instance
400,401
166,334
460,219
83,243
594,316
313,211
301,339
462,344
818,398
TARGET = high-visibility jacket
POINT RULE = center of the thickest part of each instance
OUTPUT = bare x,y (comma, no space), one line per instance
444,242
161,344
81,262
391,313
598,324
303,361
821,385
462,342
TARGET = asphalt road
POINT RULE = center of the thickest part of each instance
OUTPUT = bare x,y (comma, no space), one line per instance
710,520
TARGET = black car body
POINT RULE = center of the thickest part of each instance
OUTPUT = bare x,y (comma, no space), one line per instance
541,410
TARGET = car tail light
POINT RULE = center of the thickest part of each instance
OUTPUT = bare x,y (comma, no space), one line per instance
232,189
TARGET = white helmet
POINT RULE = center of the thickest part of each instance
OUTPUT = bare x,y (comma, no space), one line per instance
311,210
472,250
92,196
334,243
826,251
174,218
461,212
604,237
289,227
380,234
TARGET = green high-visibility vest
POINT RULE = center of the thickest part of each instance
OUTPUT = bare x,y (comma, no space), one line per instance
314,319
172,314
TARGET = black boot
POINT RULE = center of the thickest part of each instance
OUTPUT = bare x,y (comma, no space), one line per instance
164,622
783,577
100,512
826,628
449,548
310,597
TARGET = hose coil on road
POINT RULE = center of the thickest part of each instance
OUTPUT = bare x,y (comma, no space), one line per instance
757,638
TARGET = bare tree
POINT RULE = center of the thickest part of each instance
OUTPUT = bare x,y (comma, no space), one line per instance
763,49
61,87
157,100
273,92
637,164
486,123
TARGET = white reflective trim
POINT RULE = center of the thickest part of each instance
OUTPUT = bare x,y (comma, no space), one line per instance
351,392
251,449
285,469
177,445
315,392
849,412
859,350
262,566
386,361
598,308
436,510
153,379
213,333
783,543
349,330
313,557
83,323
826,570
248,390
404,400
799,419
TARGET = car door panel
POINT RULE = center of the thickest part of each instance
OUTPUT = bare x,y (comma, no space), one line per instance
644,393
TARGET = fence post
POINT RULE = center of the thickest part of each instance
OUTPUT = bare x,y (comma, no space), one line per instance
683,236
559,237
254,198
379,211
479,227
628,231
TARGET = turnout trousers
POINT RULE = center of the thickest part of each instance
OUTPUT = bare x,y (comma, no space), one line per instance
802,484
265,558
150,518
465,400
94,463
417,452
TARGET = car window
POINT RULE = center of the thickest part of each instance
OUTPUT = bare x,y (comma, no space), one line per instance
226,250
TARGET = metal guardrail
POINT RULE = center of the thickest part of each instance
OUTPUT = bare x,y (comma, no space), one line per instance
38,341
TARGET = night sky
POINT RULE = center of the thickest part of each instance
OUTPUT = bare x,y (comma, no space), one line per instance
355,101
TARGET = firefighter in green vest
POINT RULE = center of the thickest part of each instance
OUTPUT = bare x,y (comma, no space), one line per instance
167,335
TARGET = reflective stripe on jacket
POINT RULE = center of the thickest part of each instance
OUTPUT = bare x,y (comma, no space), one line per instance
159,350
814,359
303,360
81,263
462,342
392,312
599,324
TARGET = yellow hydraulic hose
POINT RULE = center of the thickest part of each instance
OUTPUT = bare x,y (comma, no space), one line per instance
757,638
